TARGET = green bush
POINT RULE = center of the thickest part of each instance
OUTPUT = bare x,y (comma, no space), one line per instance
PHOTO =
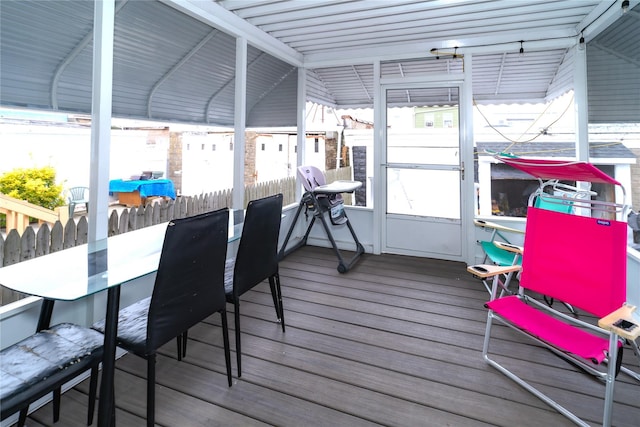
35,185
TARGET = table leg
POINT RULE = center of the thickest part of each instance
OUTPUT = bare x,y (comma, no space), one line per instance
46,310
106,404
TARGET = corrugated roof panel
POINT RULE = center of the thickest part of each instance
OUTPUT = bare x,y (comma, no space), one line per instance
34,37
613,88
317,91
177,62
351,85
429,65
152,40
279,107
329,26
190,87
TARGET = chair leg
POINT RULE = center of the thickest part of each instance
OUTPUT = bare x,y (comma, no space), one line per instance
56,404
227,351
23,417
184,343
276,292
151,390
236,315
181,341
93,388
274,295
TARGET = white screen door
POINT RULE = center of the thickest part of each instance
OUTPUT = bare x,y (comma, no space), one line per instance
423,173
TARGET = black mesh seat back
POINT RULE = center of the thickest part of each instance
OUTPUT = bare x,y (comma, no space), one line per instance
189,284
257,257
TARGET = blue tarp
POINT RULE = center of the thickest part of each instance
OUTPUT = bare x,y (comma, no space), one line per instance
147,188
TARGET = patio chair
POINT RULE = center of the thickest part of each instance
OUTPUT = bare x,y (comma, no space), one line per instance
189,287
321,198
498,250
256,260
78,196
564,260
43,362
551,195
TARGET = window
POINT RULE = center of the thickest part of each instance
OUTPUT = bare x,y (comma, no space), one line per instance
447,120
429,121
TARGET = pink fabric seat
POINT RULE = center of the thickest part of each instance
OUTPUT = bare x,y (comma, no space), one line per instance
556,332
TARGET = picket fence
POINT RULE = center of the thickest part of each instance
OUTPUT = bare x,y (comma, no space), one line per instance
16,248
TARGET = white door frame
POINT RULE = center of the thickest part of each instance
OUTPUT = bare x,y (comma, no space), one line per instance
466,149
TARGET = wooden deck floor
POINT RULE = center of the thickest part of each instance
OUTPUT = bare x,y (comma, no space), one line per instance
395,341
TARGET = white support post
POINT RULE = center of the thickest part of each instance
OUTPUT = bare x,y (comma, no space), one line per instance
102,90
467,187
379,160
240,113
301,137
581,102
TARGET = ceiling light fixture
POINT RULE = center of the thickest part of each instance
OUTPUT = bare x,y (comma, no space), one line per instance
625,6
446,54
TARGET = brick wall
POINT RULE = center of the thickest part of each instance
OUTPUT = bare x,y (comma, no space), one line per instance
250,176
174,160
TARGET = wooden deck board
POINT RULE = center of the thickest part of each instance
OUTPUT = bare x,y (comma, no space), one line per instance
395,341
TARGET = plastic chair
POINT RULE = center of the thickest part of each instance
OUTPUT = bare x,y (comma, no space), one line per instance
78,196
564,260
500,251
321,198
189,287
256,260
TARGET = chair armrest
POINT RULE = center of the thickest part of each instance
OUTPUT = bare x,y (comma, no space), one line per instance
623,313
488,224
509,247
489,270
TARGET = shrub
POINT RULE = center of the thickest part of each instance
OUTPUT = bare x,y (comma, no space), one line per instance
35,185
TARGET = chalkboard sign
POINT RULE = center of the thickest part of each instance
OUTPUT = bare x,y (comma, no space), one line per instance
360,173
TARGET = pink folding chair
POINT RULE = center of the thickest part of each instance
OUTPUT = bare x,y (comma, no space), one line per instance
579,260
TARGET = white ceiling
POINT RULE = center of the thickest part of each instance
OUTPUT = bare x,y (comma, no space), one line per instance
326,31
175,59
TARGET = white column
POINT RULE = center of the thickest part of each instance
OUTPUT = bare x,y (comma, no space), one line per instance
240,123
301,137
102,90
467,187
379,161
580,102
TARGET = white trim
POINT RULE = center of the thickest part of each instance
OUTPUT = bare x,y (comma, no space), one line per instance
215,15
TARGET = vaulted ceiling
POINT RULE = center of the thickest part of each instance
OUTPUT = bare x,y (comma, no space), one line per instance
174,60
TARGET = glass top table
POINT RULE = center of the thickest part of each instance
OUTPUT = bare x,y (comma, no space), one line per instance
77,272
84,270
